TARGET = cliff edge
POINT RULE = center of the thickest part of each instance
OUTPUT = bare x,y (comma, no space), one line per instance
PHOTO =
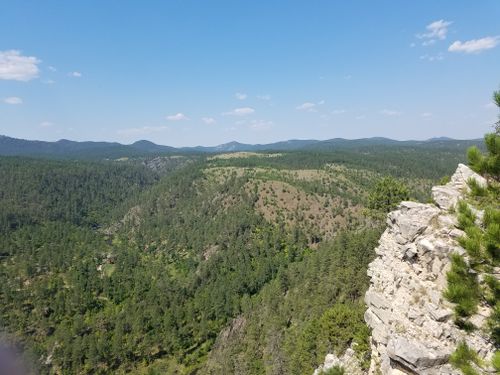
413,331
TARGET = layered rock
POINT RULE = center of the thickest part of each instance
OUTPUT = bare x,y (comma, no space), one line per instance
412,325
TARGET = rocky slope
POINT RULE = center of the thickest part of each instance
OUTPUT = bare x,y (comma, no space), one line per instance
412,324
413,329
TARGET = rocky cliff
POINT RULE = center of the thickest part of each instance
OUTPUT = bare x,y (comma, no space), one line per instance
413,331
412,324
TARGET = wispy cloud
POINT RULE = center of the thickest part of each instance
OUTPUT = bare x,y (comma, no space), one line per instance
14,66
75,74
259,125
51,68
13,100
141,130
177,117
390,112
338,111
475,45
240,96
431,58
266,97
46,124
436,30
208,120
309,106
244,111
426,114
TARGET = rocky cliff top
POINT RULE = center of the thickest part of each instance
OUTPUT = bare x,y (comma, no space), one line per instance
413,331
412,324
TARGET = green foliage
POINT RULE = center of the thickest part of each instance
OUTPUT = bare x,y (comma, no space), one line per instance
466,218
444,180
111,268
463,288
335,370
476,189
495,362
387,194
463,359
487,164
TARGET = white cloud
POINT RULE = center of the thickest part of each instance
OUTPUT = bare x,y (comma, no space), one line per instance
177,117
390,112
49,82
240,96
309,107
208,120
432,58
141,131
14,66
258,125
13,100
240,112
75,74
426,114
475,45
266,97
46,124
338,111
436,30
52,69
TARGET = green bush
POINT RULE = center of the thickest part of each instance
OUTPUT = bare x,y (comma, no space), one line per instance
476,189
463,288
496,360
489,164
335,370
463,359
466,217
387,194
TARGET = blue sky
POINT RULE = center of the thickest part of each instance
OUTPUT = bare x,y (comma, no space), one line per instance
189,72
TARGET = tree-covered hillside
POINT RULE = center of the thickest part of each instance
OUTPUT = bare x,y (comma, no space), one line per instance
241,263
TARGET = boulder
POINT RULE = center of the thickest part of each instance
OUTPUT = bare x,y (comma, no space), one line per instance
415,354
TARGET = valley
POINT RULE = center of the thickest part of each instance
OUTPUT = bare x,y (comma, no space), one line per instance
209,264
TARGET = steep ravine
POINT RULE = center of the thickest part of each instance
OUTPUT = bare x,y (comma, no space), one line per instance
413,331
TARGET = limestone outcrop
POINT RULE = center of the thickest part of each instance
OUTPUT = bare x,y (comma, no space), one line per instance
412,324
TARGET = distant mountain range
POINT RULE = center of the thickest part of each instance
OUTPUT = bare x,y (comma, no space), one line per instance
72,149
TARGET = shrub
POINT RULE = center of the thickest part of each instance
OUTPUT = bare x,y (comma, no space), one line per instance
463,359
444,180
463,288
466,217
476,189
496,360
489,164
335,370
387,194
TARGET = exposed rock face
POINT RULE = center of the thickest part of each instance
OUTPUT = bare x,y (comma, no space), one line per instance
412,327
348,362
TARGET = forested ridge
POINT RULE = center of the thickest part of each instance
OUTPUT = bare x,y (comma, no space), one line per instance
216,265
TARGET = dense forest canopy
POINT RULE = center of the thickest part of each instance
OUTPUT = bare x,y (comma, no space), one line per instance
197,264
